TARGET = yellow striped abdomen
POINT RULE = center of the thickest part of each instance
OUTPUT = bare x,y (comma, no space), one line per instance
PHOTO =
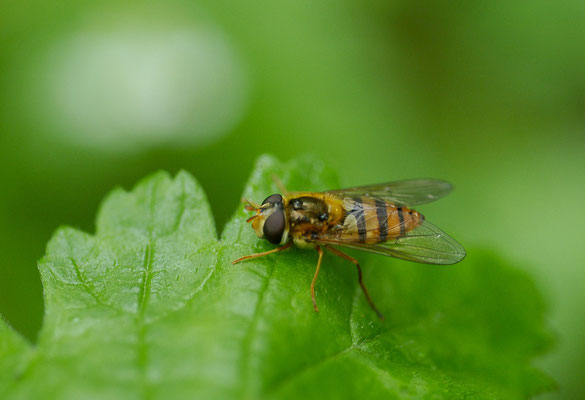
371,220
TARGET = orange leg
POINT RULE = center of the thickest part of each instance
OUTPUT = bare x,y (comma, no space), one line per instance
286,246
315,278
357,264
279,185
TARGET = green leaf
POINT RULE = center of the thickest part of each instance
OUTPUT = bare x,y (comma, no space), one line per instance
151,307
14,351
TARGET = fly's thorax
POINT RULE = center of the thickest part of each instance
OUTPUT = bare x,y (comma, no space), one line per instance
313,210
310,214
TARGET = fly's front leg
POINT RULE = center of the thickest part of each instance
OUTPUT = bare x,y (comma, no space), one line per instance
315,278
360,277
276,250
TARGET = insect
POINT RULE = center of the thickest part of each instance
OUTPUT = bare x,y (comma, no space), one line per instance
375,218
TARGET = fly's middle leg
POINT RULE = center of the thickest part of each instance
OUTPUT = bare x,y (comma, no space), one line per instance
320,251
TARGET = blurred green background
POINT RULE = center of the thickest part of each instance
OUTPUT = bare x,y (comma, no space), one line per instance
489,95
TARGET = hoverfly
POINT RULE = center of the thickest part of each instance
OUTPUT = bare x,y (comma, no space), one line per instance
375,218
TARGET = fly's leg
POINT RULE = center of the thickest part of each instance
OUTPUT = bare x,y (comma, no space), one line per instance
276,250
363,286
279,185
315,278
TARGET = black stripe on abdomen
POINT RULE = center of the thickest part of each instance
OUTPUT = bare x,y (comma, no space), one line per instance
401,219
382,219
358,213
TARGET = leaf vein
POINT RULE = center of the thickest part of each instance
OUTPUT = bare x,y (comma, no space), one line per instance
295,374
143,299
247,343
193,295
88,288
181,210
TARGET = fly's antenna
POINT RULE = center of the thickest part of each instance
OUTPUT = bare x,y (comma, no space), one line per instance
250,206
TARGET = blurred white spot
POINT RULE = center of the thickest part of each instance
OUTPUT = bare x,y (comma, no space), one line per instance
131,88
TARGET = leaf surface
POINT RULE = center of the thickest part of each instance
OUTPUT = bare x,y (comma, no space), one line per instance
151,307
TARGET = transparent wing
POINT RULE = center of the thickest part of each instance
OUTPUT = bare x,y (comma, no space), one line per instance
410,192
424,244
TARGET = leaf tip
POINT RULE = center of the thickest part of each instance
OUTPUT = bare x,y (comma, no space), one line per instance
265,161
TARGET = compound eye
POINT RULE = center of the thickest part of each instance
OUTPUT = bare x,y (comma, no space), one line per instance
273,199
274,227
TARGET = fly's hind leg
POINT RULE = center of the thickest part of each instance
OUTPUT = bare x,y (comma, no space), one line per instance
363,286
315,278
276,250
